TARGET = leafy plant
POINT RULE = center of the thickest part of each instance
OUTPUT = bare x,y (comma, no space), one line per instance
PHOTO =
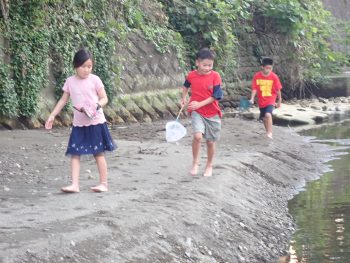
8,97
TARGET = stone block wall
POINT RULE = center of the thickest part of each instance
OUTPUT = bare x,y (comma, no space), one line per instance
145,69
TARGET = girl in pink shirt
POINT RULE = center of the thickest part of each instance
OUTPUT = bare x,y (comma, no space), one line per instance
90,133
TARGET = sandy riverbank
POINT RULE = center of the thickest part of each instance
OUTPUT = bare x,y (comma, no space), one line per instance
154,211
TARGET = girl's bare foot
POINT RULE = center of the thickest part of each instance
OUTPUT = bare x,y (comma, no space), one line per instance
99,188
208,171
269,135
70,189
194,169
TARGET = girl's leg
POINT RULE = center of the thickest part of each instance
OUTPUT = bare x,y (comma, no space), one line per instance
196,146
102,169
268,124
75,170
210,152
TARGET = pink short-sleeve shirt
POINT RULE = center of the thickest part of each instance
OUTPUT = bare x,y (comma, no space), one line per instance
83,91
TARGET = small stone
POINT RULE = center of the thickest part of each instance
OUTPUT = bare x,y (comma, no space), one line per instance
241,224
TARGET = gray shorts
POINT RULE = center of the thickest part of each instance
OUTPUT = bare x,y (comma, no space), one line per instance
209,127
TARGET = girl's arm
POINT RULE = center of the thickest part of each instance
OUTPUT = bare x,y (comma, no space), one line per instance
59,106
102,97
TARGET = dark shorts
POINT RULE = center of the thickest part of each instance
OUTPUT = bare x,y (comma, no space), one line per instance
267,109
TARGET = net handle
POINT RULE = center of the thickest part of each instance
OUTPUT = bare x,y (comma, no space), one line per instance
178,115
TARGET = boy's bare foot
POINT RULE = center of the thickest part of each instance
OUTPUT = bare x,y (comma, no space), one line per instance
99,188
208,171
269,135
194,169
70,189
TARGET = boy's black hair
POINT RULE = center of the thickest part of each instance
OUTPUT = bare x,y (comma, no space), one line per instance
205,53
80,57
267,61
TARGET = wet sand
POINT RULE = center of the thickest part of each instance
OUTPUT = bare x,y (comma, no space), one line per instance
154,210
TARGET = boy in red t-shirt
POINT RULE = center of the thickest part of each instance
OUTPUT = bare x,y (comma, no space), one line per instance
204,108
268,86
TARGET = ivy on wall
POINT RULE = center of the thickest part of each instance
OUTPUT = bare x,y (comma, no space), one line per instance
207,23
43,36
221,24
308,28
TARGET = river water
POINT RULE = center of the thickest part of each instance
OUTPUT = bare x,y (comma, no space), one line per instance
322,209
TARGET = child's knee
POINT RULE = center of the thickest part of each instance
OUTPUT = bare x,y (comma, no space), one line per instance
210,143
268,115
197,137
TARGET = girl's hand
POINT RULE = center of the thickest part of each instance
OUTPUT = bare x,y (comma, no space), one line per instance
194,105
49,122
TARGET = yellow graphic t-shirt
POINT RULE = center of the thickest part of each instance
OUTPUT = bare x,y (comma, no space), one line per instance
267,88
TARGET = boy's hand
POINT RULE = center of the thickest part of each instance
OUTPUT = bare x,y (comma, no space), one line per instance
251,101
278,104
194,105
183,102
49,122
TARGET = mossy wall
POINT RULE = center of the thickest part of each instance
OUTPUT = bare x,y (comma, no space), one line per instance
141,57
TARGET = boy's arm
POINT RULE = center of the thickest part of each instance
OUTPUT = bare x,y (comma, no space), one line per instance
217,95
194,105
252,96
279,97
184,96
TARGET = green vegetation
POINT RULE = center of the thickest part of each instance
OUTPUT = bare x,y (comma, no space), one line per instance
41,37
304,26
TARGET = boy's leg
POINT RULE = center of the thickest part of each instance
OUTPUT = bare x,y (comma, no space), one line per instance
210,152
75,170
198,130
212,134
196,146
266,116
268,125
102,169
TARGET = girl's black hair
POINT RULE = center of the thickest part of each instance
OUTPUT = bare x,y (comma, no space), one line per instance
205,53
267,62
80,57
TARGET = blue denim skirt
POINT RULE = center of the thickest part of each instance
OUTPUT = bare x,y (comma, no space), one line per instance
93,139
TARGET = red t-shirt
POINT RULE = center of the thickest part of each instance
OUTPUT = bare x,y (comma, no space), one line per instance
202,87
267,88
